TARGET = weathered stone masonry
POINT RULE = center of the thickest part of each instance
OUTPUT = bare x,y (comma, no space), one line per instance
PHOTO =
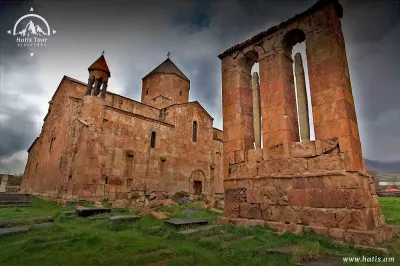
316,185
98,145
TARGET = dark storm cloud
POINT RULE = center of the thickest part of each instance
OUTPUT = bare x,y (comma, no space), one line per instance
136,36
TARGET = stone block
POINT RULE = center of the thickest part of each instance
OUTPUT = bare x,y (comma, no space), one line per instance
302,149
275,196
255,155
336,233
231,209
223,220
358,199
276,225
318,217
326,162
264,168
254,196
230,184
319,230
352,219
298,197
327,146
239,157
245,183
249,211
361,237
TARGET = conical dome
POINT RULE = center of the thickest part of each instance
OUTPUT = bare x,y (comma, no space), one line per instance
100,64
167,67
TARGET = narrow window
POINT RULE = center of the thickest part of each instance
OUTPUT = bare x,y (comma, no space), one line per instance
180,93
51,142
147,92
61,162
194,131
106,181
153,140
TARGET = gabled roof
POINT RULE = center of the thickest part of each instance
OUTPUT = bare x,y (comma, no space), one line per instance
196,103
167,67
100,64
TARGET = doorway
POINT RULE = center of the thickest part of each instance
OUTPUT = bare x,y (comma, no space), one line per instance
197,187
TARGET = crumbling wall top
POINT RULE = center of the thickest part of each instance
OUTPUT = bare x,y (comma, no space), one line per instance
317,6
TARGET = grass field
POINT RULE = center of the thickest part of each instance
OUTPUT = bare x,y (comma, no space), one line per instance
78,241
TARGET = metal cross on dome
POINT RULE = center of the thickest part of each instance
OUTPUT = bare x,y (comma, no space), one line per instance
168,54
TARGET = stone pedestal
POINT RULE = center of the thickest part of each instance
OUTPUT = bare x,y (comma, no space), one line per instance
305,186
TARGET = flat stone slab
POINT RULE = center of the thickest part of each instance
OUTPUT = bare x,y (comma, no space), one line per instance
323,261
85,212
15,205
4,223
282,250
74,202
119,210
14,197
236,240
8,203
185,222
198,229
25,228
217,236
116,219
95,218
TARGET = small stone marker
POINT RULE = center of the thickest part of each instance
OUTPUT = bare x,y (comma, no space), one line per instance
37,220
186,222
85,212
3,184
117,219
11,230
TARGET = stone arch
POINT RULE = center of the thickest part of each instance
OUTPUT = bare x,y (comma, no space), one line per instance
197,182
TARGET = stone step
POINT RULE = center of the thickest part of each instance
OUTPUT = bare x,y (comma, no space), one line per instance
198,229
122,218
236,240
37,220
25,228
183,223
85,212
95,218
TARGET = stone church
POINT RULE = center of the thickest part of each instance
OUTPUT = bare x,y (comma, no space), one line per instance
96,145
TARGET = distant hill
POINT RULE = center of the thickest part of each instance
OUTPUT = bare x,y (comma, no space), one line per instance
386,167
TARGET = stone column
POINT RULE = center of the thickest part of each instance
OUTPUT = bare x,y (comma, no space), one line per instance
255,85
97,85
3,184
104,90
89,86
302,101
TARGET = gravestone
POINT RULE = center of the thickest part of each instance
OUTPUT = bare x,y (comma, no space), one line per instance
3,184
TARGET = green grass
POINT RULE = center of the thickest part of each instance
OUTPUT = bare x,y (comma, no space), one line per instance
78,241
391,209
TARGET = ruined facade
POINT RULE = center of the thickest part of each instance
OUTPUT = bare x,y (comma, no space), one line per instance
292,183
98,145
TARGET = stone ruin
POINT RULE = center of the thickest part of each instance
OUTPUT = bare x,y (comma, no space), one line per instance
294,185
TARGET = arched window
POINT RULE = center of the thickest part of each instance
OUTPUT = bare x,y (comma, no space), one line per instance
180,93
147,92
194,131
153,140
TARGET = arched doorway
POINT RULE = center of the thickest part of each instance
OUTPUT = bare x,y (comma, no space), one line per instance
196,182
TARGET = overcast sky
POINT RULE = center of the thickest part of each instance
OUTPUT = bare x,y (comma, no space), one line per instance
137,37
